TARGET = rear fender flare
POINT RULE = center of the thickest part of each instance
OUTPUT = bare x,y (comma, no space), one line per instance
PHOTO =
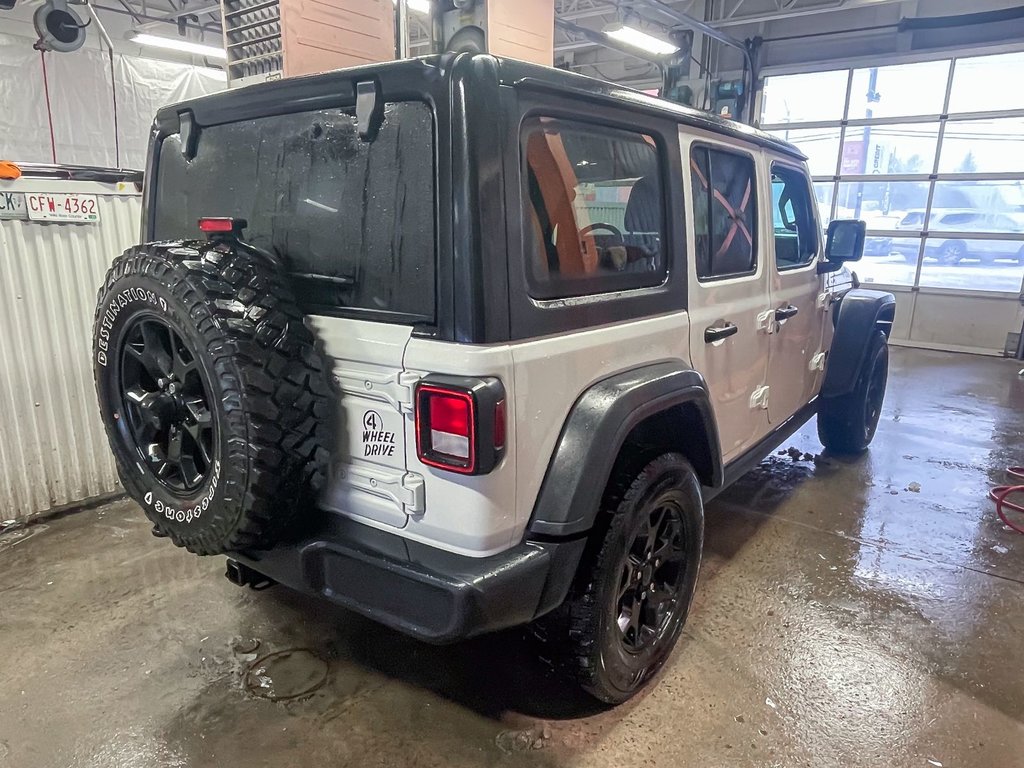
859,313
594,432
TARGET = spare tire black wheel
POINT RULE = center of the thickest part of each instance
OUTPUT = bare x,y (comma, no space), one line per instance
213,395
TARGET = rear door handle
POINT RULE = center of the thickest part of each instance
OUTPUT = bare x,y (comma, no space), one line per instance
786,312
719,332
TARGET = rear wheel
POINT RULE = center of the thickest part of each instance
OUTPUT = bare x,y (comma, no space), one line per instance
952,252
847,424
633,591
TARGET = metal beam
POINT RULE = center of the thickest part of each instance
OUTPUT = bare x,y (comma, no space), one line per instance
172,15
694,23
841,5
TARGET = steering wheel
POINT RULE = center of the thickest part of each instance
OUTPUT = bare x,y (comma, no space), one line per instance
601,225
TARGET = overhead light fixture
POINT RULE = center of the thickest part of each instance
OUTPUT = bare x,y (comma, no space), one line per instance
640,40
178,44
419,6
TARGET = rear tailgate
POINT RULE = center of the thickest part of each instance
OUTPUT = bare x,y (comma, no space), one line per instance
369,479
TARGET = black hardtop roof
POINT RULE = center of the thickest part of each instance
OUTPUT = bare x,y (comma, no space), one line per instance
297,93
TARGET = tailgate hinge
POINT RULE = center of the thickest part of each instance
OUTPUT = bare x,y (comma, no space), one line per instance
403,488
394,388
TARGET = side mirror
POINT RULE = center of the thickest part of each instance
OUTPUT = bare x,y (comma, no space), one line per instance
845,242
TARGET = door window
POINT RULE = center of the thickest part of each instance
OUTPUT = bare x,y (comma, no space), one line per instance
725,213
796,235
595,206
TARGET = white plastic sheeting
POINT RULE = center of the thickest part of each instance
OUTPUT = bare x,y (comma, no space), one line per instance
24,133
53,450
82,103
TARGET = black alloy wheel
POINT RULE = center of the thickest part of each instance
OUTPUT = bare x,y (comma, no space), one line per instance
635,584
652,575
166,405
874,395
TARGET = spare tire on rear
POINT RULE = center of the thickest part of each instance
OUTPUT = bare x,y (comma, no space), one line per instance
213,395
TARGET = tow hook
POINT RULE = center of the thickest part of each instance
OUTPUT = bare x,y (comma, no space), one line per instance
244,576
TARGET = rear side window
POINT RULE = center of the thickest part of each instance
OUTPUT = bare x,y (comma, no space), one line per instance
595,211
796,235
725,212
353,221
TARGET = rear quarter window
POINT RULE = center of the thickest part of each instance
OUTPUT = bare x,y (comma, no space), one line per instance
595,209
353,221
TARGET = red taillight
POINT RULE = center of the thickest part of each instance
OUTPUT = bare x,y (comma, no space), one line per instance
445,428
209,225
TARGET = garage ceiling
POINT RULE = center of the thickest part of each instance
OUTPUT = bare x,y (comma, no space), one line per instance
796,32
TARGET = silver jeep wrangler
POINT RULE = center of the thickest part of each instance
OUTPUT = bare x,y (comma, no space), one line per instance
462,343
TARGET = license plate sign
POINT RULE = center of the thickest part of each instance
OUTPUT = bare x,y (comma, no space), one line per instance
44,206
12,205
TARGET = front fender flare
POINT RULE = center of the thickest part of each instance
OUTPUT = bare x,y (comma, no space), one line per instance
859,314
596,428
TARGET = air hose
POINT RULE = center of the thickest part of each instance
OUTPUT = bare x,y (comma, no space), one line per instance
1001,493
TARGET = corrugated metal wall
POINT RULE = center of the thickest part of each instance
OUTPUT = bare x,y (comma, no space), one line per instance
53,450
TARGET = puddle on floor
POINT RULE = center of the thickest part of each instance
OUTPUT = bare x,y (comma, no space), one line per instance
285,675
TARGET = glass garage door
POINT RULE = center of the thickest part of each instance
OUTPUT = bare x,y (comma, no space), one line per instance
931,155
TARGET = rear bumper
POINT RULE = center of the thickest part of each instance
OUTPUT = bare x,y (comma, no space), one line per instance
436,596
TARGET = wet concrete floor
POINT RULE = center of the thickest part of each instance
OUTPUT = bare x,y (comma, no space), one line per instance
844,618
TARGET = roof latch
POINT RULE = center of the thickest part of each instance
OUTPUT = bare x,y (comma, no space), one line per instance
369,109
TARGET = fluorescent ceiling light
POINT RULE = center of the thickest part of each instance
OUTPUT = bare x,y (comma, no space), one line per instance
179,44
420,6
641,40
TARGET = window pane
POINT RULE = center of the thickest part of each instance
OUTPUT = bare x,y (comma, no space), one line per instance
353,221
884,204
983,146
804,97
982,83
890,148
595,207
903,89
980,196
823,192
796,236
889,261
977,265
821,145
725,206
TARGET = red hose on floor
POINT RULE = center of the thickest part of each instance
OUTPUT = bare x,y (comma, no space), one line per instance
1001,493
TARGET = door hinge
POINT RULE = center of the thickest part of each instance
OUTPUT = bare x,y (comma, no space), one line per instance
766,321
759,398
817,362
395,388
406,489
825,300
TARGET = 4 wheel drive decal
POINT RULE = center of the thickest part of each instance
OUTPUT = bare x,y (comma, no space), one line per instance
188,514
376,441
114,308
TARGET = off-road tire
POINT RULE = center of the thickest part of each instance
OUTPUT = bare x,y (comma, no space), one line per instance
847,424
268,392
580,639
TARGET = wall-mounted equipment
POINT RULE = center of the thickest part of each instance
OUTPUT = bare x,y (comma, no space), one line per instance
59,28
